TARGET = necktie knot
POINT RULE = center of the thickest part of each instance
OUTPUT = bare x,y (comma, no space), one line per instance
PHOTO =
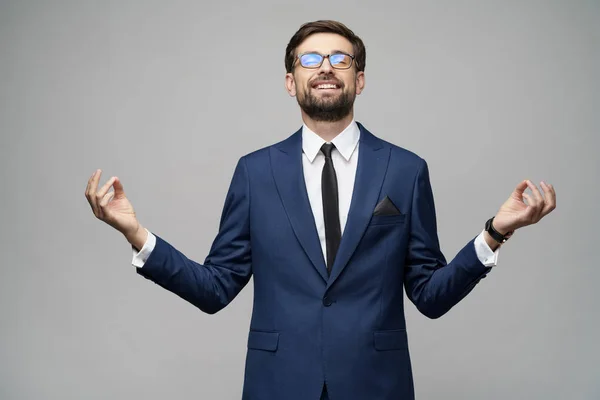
327,148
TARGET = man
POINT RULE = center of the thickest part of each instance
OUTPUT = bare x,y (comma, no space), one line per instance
332,222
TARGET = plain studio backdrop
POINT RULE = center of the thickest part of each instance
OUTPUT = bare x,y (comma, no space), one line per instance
169,95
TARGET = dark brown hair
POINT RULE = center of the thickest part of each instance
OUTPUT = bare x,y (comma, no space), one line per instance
325,26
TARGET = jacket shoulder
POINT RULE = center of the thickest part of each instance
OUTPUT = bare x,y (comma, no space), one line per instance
400,155
262,154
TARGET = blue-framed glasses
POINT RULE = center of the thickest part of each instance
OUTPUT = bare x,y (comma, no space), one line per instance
337,60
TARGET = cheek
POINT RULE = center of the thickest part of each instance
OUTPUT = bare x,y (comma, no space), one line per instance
349,83
351,86
302,88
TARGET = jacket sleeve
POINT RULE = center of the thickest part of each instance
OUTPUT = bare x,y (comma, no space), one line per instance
433,285
226,269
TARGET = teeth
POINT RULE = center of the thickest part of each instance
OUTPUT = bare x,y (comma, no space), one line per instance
326,86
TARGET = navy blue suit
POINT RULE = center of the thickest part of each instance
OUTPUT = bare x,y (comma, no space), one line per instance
348,329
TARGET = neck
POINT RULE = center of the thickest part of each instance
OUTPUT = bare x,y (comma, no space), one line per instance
325,129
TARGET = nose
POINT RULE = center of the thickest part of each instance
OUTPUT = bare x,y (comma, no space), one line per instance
325,67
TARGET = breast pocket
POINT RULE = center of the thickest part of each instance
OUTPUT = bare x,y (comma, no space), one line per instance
387,219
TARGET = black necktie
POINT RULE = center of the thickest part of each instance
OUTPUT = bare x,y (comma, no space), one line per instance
331,214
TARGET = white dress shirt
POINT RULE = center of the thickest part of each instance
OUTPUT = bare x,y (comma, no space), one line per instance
345,161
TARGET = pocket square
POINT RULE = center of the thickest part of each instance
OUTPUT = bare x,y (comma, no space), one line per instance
386,207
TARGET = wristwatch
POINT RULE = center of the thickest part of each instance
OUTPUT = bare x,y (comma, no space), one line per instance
497,236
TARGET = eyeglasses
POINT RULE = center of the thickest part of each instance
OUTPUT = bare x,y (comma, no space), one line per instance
337,60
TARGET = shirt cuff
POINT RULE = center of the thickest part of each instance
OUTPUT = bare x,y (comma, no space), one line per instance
139,259
487,257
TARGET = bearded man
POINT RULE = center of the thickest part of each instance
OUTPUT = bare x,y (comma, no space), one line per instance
333,223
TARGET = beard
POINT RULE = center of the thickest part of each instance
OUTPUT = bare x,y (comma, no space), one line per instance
326,109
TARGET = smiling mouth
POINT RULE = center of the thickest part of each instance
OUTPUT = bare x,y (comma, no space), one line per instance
324,86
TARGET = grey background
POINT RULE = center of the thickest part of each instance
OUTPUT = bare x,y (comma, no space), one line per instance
168,95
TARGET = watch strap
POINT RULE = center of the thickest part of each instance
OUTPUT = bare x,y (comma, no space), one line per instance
497,236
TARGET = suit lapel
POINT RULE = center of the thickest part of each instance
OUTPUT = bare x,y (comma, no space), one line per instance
286,165
373,157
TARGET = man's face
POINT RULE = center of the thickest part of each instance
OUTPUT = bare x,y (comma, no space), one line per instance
325,93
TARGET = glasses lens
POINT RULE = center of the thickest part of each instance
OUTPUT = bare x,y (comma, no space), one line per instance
341,61
311,60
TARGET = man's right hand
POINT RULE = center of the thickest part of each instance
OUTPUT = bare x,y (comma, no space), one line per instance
114,208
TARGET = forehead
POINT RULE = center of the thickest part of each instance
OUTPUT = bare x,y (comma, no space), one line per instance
325,43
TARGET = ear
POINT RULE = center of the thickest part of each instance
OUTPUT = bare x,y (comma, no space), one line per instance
290,84
360,82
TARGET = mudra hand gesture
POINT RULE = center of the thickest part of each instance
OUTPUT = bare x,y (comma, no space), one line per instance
114,208
515,213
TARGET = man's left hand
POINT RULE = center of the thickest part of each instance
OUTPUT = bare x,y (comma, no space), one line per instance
515,213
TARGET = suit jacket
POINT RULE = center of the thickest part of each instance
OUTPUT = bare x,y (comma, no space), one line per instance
348,329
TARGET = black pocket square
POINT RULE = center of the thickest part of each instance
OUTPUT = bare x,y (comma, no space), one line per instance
386,207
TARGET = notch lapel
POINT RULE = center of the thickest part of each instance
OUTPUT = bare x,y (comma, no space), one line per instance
373,158
286,165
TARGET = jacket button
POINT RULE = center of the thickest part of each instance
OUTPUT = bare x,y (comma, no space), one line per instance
327,301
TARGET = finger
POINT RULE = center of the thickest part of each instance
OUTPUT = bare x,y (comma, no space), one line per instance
550,198
545,193
530,210
535,191
92,190
94,181
103,190
553,194
520,189
88,188
539,200
551,188
104,202
119,192
89,182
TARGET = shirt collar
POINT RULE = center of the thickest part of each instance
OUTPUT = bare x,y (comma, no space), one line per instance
345,142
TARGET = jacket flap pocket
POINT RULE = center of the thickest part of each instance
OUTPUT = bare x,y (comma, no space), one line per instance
263,340
390,340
